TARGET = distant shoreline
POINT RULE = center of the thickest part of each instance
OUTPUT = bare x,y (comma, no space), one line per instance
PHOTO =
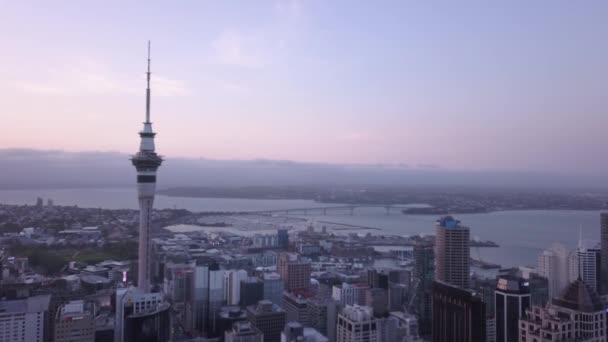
437,201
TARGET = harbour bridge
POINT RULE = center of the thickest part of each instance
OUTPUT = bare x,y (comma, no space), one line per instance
325,210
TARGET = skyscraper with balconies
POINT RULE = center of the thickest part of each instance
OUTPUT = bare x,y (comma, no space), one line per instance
452,245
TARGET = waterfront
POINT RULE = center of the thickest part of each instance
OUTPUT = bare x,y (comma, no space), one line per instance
520,234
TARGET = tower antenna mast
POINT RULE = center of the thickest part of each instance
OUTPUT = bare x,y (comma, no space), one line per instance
148,88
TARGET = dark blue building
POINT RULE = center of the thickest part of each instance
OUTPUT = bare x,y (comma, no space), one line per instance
283,238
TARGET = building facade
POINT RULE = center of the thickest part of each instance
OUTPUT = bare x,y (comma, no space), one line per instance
283,238
296,332
295,272
267,318
604,251
296,308
243,331
232,283
577,315
452,245
252,291
350,294
75,322
588,260
141,316
458,314
558,265
424,275
323,316
273,288
25,320
357,324
511,300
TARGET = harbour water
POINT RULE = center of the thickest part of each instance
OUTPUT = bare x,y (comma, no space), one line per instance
521,234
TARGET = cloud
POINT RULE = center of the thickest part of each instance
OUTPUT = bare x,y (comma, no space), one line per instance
89,77
233,48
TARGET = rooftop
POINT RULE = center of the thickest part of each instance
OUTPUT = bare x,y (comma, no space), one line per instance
448,222
580,297
31,304
512,284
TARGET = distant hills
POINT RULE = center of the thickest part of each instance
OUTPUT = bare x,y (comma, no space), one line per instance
26,168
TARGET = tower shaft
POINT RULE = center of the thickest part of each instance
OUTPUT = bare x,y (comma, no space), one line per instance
146,162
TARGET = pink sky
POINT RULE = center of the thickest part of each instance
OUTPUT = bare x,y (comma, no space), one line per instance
482,86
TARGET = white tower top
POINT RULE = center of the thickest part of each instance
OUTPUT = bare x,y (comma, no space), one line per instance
147,135
148,88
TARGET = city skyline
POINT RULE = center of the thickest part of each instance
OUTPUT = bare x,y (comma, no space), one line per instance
309,148
473,86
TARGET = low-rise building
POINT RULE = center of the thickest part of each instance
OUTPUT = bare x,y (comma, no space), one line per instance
243,331
25,319
75,322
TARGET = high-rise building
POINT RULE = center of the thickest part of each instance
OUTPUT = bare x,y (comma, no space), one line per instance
377,278
273,288
176,281
197,303
25,320
269,318
588,261
350,294
389,329
557,265
230,315
539,289
267,258
491,329
512,299
452,245
175,287
408,326
75,322
396,296
265,241
283,238
205,298
604,252
216,300
141,316
400,276
252,291
232,285
576,315
322,316
296,332
296,308
377,299
146,162
357,324
243,331
424,275
295,272
458,314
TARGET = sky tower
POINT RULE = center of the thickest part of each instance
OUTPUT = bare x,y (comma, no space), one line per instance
146,162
